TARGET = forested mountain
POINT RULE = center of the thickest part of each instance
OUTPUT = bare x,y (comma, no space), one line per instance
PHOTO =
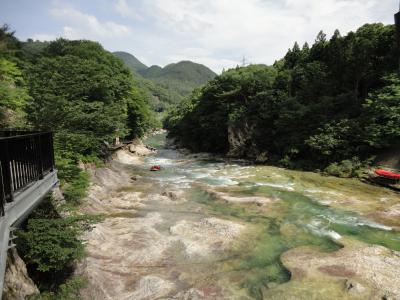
159,97
152,72
337,102
130,61
183,76
169,85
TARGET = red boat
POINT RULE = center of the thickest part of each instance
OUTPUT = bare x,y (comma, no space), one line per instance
155,168
387,174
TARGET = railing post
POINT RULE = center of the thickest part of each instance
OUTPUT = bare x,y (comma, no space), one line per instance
53,163
6,172
2,193
40,157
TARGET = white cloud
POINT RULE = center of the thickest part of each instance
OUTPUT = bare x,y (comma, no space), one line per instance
262,30
81,25
43,37
203,56
217,33
126,11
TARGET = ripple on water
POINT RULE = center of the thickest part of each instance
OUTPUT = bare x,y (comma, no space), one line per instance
288,186
317,228
354,221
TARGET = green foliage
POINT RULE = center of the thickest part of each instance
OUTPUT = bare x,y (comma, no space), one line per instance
32,50
382,110
76,189
74,181
9,44
83,93
182,77
346,168
51,245
91,159
335,139
13,95
140,118
80,90
201,122
163,88
13,92
66,166
130,61
319,105
66,291
87,97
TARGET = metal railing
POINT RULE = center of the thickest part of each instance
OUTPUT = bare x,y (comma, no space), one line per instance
25,157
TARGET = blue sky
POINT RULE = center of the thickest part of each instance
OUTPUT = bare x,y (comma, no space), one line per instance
217,33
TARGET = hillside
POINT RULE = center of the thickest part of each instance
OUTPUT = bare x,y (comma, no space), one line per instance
329,106
130,61
183,76
152,72
169,85
159,97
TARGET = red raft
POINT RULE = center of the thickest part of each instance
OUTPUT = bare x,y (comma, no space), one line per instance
387,174
155,168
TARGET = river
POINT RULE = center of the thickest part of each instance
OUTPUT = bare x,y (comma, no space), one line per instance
207,228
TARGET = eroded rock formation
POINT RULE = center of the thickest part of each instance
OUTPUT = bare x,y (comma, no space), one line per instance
357,271
17,285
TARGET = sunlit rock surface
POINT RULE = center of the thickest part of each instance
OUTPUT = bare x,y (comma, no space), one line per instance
358,271
206,236
205,228
139,253
17,284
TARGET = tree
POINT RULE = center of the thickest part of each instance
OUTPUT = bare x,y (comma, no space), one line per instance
321,37
13,95
82,91
9,44
312,103
382,114
140,117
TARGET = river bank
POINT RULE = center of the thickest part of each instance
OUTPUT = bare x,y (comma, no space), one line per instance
207,229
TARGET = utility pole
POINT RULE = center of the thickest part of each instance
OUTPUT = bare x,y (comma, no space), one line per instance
244,63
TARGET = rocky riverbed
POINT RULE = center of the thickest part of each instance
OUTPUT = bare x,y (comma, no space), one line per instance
212,229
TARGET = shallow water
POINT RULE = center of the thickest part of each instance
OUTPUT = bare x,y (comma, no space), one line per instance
303,209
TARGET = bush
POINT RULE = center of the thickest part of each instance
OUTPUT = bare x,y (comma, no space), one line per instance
346,168
74,181
50,245
76,189
66,291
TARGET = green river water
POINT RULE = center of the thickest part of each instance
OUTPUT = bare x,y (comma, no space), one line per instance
305,209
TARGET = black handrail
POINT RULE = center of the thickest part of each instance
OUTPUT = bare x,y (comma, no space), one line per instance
25,157
15,132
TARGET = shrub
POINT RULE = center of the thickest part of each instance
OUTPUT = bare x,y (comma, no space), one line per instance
66,291
51,245
346,168
76,189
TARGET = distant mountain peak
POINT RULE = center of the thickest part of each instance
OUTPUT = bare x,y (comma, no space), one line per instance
130,61
181,77
185,71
